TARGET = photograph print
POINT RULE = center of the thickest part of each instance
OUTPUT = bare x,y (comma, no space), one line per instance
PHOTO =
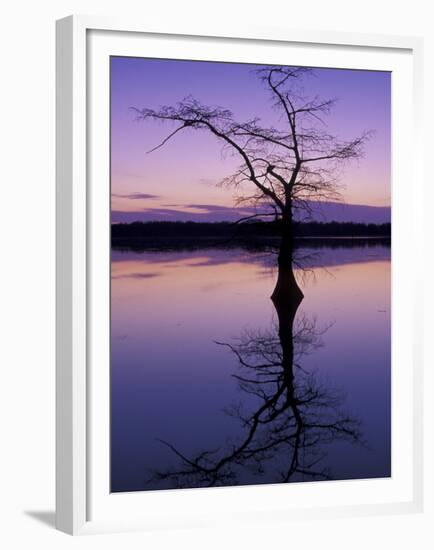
250,274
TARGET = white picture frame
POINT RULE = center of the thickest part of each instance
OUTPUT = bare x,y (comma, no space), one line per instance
82,502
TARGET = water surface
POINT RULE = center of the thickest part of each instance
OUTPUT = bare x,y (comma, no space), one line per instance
178,320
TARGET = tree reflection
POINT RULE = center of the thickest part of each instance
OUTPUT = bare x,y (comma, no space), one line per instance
289,416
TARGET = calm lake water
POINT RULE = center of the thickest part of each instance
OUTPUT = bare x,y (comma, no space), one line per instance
182,324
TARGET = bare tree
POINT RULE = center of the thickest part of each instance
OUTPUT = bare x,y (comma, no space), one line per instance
283,168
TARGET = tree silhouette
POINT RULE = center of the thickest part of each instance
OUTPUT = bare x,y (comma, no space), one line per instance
283,168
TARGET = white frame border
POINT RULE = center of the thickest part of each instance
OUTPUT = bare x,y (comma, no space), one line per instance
71,256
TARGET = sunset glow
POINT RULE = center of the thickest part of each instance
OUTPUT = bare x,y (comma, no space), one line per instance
181,177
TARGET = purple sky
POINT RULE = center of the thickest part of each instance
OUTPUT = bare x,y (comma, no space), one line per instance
179,180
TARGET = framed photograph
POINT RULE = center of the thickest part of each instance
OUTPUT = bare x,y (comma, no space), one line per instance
238,213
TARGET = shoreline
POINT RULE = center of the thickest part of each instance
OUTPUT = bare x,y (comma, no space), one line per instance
251,242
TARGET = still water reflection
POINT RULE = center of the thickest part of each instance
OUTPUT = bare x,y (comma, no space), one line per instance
213,383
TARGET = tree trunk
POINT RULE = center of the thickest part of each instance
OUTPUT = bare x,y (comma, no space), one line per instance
286,291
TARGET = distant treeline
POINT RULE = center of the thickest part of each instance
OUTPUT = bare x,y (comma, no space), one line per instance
135,231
